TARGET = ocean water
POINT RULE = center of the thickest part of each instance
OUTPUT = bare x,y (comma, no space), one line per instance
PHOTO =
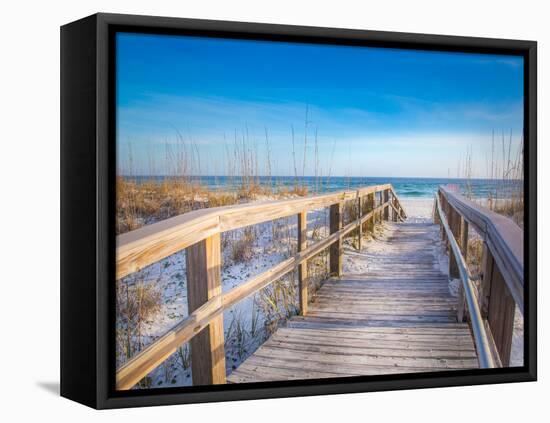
405,187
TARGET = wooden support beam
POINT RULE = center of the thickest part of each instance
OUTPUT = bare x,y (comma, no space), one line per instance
487,263
378,202
461,310
371,206
381,215
502,309
443,233
364,209
203,283
464,237
436,218
336,248
497,306
387,209
302,268
452,219
360,226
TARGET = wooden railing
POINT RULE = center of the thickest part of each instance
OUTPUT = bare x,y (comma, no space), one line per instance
492,310
199,233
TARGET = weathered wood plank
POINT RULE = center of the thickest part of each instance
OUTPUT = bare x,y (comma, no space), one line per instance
340,369
461,309
369,309
359,223
328,362
386,300
372,317
395,291
378,349
335,257
302,267
487,263
142,247
502,309
453,331
203,264
250,372
327,322
407,343
386,199
452,221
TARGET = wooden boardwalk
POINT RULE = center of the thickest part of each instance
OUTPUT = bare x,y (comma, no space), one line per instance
398,317
392,314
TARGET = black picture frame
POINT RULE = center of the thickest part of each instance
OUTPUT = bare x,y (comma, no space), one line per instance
88,201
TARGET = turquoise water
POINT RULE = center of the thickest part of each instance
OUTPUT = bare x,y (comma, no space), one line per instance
405,187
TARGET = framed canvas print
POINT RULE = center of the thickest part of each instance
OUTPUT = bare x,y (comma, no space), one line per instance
255,211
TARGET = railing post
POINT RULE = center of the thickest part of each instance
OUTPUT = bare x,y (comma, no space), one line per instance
386,209
380,201
371,206
452,219
203,261
336,247
364,209
381,213
464,249
302,268
442,230
498,305
360,225
464,237
437,220
487,264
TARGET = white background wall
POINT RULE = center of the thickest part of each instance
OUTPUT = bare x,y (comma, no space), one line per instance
29,208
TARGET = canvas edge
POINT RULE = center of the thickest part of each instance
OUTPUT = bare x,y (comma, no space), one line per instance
104,248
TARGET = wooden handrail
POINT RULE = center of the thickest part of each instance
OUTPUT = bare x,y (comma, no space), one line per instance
481,339
157,241
149,244
401,210
504,238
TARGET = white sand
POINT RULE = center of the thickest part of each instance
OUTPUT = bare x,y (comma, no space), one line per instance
418,209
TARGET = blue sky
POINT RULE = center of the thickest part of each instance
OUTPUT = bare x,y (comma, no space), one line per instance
376,112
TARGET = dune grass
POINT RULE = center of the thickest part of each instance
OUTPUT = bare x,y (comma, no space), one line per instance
505,168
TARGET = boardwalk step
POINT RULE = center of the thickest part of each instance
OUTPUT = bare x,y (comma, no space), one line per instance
320,322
